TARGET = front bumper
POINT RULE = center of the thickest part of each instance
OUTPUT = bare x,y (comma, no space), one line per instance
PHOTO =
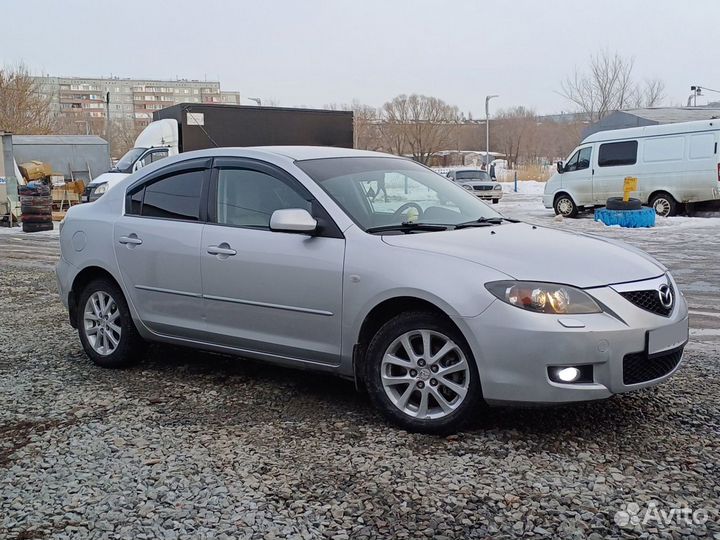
514,349
548,200
489,194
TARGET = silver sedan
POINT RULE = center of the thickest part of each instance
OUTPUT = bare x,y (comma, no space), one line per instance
371,267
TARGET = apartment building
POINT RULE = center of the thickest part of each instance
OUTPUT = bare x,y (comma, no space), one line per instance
81,99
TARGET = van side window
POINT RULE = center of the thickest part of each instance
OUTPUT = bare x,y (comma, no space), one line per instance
619,153
580,160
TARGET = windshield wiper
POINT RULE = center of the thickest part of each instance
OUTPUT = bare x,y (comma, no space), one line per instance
408,226
485,222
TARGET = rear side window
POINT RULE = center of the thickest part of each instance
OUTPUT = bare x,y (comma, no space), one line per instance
174,197
619,153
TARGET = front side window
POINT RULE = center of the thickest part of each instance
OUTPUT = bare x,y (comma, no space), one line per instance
571,164
153,156
619,153
126,162
378,192
580,160
247,198
176,196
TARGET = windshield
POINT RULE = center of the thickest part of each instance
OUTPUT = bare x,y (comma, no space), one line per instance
378,192
126,162
471,175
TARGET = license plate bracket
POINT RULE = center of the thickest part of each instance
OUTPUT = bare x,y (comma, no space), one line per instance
667,338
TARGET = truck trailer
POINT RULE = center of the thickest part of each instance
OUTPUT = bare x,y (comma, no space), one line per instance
191,126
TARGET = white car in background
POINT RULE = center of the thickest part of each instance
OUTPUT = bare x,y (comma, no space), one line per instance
479,182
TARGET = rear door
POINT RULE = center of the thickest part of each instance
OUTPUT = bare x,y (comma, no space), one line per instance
577,176
157,244
275,293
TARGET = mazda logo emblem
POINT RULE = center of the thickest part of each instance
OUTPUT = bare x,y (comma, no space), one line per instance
666,296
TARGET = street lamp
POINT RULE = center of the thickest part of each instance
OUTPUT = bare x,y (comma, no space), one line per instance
487,128
256,100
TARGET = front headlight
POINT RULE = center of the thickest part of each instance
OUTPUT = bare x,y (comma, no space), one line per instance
543,297
102,188
498,187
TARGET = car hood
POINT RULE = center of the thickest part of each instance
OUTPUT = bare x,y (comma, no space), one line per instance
530,253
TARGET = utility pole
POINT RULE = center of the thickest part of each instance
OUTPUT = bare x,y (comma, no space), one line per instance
487,128
107,117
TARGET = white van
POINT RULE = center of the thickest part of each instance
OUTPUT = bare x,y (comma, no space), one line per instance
674,164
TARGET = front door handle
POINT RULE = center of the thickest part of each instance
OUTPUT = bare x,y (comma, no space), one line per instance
222,249
130,239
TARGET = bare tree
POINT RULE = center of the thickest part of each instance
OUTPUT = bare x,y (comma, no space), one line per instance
513,131
23,107
122,135
418,124
609,86
366,119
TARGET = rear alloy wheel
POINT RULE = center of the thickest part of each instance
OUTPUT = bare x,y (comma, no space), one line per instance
664,205
422,375
106,328
565,206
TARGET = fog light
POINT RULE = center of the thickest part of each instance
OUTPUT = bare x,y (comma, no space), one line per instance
568,374
571,374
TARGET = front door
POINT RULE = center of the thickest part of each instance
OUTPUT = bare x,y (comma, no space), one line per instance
275,293
157,244
577,176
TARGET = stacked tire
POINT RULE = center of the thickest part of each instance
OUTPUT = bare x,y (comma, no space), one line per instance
35,207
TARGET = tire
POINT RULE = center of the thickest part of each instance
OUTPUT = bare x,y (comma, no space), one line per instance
495,201
664,204
565,206
36,200
36,227
617,203
28,209
36,218
387,356
101,350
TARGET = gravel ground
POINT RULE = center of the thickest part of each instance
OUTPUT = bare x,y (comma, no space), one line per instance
196,445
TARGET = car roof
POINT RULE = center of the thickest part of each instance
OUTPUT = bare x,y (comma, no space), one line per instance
463,169
301,153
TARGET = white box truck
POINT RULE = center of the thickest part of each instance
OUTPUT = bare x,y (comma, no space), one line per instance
675,164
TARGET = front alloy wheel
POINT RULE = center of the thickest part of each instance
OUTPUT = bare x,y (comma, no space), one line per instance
425,374
420,373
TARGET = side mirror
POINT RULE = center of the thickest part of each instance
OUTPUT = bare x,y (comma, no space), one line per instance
560,167
296,220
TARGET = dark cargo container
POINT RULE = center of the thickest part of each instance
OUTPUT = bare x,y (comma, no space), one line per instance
209,126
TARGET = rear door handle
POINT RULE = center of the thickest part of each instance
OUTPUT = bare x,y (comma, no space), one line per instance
222,249
131,239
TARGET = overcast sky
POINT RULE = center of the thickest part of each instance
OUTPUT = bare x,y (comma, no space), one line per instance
317,52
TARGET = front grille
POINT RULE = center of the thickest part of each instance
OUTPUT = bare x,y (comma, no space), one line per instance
649,301
639,368
482,188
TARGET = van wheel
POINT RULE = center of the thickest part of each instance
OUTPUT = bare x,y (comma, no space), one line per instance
106,328
564,206
664,205
420,373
